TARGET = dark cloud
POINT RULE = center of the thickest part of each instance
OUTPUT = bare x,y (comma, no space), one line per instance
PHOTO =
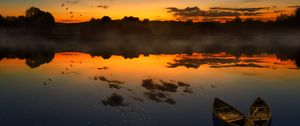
186,12
164,86
102,6
279,11
240,9
186,86
240,65
160,97
196,12
72,1
103,68
138,99
102,78
196,62
213,86
114,100
249,0
215,12
116,84
215,62
159,91
253,13
253,61
295,6
182,84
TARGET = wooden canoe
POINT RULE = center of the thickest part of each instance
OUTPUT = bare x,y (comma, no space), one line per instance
227,115
260,113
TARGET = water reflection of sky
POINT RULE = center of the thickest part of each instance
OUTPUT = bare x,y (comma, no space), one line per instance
77,89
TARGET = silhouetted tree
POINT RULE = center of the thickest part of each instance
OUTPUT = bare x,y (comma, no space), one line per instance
289,20
283,17
146,20
105,19
37,17
1,20
237,20
297,16
297,13
12,21
189,21
249,20
130,19
93,20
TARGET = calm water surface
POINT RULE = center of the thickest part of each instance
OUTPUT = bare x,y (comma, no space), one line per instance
78,89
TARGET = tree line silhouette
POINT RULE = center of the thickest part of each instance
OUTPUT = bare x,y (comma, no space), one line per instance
35,17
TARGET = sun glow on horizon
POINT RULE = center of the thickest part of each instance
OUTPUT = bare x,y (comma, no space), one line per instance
84,10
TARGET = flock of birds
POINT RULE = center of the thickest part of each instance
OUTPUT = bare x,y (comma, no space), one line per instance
71,13
63,72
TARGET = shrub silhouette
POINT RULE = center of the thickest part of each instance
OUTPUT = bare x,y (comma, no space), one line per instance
297,14
105,19
1,19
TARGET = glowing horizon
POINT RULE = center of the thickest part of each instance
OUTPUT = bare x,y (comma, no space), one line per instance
84,10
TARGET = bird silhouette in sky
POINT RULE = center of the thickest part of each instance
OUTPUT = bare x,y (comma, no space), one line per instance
71,13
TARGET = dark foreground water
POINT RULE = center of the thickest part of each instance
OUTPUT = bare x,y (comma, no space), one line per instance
76,89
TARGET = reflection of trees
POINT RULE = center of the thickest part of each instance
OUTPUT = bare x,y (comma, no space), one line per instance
32,59
289,54
297,58
38,59
106,54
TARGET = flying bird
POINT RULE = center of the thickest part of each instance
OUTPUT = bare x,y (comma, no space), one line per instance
67,8
71,12
103,6
63,5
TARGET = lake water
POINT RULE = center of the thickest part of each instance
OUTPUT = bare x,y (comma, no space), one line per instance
76,89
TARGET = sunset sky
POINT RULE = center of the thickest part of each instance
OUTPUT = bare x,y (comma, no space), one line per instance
84,10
